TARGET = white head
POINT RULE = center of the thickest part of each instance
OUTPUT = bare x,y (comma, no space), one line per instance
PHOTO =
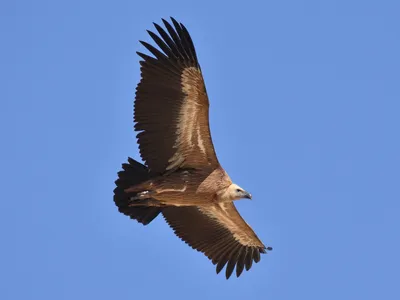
235,192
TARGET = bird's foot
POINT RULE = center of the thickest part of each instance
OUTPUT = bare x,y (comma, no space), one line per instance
143,199
141,196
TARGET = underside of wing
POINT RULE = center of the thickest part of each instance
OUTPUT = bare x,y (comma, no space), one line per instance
171,107
220,233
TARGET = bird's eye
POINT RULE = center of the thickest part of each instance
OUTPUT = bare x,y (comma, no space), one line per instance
238,190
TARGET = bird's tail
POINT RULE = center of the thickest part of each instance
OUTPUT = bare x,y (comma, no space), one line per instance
132,174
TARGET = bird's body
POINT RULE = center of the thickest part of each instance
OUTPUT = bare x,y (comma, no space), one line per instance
182,178
184,188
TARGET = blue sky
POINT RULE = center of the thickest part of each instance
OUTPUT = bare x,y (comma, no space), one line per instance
305,104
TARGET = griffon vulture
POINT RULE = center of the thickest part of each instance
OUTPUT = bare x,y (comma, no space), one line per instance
181,177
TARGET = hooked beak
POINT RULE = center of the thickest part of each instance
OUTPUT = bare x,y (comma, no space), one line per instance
247,196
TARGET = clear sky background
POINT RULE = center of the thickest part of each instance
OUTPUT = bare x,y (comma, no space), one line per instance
305,114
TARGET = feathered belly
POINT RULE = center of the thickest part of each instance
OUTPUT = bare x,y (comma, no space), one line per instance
182,196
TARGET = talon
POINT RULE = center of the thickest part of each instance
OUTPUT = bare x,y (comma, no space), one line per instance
141,196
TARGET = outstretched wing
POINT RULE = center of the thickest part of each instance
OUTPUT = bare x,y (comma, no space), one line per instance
219,232
171,107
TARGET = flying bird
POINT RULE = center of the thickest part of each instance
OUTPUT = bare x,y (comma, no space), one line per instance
181,177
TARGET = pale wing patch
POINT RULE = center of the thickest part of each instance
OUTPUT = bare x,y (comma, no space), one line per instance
175,161
188,126
200,141
171,190
222,213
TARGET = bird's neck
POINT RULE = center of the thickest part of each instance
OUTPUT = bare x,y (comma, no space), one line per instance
224,196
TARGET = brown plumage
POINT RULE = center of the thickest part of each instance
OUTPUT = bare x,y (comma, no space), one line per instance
182,177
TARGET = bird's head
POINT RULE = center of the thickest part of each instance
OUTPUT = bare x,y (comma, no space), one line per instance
235,192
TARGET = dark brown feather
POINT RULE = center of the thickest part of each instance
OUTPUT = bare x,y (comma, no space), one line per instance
256,256
232,261
176,39
168,41
211,231
160,43
240,262
249,258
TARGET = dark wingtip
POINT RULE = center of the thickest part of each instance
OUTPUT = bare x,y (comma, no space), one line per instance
229,268
219,267
240,264
176,24
164,21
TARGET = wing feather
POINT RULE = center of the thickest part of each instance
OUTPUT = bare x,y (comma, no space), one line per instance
219,232
233,258
171,111
241,261
249,258
171,44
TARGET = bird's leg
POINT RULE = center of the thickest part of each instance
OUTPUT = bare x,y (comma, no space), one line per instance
141,195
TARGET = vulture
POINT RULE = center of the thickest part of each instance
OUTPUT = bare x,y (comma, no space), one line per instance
181,177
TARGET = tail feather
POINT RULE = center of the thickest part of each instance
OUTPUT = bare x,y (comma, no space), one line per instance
133,173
